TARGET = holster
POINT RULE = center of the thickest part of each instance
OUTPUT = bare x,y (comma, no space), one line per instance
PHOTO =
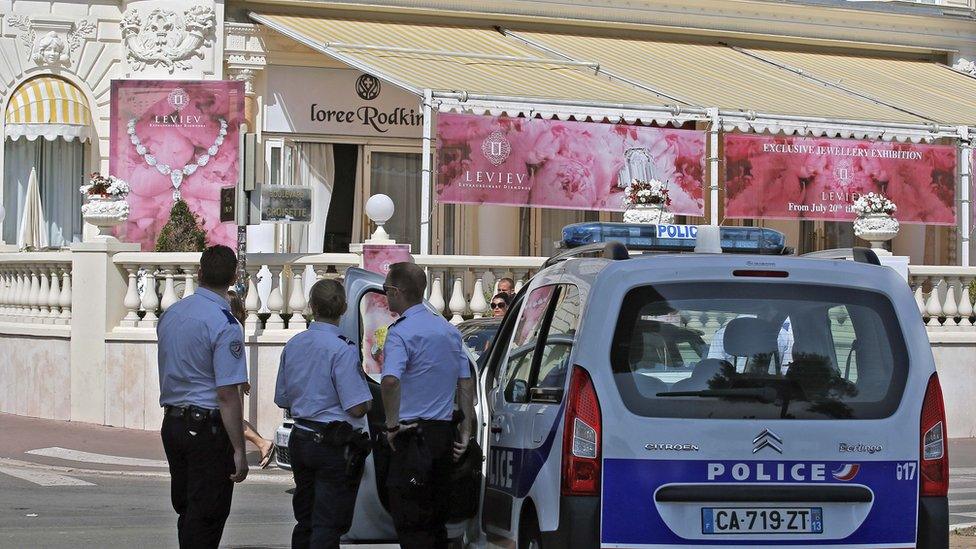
354,442
414,467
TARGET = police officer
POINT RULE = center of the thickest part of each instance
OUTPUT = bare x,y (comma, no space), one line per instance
424,367
323,385
201,366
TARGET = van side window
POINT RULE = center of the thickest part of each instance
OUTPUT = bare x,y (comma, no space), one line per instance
558,345
522,348
845,342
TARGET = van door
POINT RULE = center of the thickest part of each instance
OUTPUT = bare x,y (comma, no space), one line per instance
509,425
366,323
790,429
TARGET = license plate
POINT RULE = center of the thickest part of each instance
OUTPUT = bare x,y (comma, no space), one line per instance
281,439
762,520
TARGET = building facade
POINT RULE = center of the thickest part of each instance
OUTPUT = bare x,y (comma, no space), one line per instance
322,119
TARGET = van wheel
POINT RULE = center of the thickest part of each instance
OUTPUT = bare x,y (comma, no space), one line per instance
529,536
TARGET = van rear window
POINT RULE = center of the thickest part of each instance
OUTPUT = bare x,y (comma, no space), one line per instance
758,351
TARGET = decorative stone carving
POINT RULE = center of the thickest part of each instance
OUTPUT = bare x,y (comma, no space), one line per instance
966,65
166,38
50,42
245,75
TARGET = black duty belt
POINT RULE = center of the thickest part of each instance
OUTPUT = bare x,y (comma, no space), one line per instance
187,411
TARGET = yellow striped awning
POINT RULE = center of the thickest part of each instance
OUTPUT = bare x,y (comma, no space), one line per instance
447,58
716,75
50,107
924,88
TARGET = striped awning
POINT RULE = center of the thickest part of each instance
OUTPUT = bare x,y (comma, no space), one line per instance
445,58
50,107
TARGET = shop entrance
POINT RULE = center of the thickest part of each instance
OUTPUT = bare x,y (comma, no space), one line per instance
825,235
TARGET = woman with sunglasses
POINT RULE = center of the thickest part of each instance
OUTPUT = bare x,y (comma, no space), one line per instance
499,304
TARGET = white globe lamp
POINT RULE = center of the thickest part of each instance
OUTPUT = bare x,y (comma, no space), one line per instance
379,209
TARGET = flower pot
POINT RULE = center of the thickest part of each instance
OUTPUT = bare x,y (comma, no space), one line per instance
876,228
655,214
105,212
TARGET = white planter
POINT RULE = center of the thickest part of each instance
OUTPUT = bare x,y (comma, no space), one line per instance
105,213
654,214
876,228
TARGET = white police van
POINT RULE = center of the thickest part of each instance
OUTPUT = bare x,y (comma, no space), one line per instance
712,400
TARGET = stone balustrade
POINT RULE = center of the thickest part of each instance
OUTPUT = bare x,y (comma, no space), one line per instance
944,296
35,288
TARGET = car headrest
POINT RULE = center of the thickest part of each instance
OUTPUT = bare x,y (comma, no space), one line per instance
749,337
709,368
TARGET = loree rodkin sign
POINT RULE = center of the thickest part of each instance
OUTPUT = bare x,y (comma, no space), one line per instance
338,102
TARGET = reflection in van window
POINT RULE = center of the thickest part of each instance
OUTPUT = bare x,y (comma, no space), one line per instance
748,350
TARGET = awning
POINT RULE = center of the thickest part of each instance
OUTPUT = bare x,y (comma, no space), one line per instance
930,90
471,62
50,107
715,75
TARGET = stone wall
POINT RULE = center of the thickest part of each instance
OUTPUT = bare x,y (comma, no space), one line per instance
35,375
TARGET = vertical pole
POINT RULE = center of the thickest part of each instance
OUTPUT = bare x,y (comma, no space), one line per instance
425,188
965,184
713,165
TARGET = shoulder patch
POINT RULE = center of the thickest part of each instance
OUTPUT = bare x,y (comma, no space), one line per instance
346,339
230,317
236,348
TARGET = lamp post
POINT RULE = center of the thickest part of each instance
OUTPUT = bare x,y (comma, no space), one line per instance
379,209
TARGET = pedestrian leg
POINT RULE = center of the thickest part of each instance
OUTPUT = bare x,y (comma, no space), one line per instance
304,495
173,434
210,462
335,498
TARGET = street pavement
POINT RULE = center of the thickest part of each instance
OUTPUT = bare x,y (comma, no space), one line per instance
68,485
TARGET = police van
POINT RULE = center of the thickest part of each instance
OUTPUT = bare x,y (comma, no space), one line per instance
712,399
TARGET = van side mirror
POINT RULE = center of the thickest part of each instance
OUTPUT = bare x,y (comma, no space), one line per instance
546,395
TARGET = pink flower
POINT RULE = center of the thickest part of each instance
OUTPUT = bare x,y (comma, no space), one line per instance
564,182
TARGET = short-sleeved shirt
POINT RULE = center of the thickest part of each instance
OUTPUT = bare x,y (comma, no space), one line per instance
425,352
201,347
320,377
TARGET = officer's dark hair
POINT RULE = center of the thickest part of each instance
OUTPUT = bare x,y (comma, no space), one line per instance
218,267
410,279
327,299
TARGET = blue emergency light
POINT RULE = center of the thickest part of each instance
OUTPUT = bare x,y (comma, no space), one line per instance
673,238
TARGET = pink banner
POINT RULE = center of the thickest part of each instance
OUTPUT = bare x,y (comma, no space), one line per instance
375,310
171,135
567,165
769,177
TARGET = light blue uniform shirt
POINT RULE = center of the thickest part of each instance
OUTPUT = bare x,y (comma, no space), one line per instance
201,347
319,376
426,354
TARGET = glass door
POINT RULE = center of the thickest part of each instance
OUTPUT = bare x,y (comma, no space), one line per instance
396,172
827,235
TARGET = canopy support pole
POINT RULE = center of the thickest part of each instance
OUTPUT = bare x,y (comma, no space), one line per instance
426,200
965,183
713,165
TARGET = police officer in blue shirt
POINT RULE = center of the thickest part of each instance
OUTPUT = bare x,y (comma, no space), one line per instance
321,383
424,367
201,365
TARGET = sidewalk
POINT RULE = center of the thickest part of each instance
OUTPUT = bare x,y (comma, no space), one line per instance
64,444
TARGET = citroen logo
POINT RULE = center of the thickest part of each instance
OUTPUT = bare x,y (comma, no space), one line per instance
767,439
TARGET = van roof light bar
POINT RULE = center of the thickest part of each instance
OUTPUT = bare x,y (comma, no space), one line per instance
676,238
612,250
858,254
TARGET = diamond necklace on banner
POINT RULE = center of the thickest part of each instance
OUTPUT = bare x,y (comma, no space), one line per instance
176,176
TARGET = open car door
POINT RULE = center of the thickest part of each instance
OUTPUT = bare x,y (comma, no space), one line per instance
366,323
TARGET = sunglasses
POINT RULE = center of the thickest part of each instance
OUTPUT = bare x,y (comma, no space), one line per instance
498,306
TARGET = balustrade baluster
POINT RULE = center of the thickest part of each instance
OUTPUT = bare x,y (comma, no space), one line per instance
169,290
965,306
949,307
479,307
933,306
457,303
4,293
297,301
711,324
919,299
436,298
23,294
33,311
276,301
189,279
43,291
252,301
65,299
519,275
150,299
54,297
132,302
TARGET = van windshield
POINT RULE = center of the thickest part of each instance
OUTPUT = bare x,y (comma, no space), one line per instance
758,351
